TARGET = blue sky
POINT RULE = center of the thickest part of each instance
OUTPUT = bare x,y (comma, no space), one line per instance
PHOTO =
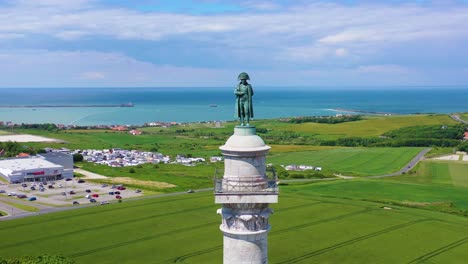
169,43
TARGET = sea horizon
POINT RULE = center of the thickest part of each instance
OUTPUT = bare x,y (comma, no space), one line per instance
198,104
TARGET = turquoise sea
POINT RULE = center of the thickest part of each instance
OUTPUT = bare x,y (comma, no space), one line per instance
209,104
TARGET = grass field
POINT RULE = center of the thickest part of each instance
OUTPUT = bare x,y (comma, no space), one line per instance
464,116
2,132
200,176
307,228
438,172
350,161
203,139
370,126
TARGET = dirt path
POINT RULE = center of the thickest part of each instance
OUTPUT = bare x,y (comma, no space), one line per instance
90,175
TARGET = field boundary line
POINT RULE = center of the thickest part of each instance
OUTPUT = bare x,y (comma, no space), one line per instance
440,250
148,217
339,217
134,241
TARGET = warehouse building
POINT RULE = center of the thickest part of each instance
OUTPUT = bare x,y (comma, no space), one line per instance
60,158
30,169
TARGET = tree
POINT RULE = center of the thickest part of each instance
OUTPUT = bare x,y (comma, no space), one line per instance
77,157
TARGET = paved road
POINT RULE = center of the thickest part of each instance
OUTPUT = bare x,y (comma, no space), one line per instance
408,166
456,117
11,210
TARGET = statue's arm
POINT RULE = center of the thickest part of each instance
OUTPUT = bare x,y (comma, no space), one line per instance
238,91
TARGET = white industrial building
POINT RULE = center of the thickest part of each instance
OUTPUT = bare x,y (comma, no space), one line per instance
30,169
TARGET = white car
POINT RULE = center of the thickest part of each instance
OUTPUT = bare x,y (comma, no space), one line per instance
12,194
104,202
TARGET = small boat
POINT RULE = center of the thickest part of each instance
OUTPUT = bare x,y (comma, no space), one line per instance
130,104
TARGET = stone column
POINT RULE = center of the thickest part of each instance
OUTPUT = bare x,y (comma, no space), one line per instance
245,195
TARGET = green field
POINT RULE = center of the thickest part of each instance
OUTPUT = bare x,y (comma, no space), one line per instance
307,228
200,176
439,172
350,161
2,132
464,116
371,126
203,139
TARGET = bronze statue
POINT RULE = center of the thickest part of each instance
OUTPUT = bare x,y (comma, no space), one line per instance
244,93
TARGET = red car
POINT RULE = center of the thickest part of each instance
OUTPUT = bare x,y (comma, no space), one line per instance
95,195
121,188
118,197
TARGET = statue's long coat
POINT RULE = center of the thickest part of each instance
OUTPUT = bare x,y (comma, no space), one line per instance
249,96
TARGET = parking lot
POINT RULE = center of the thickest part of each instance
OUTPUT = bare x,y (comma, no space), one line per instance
62,192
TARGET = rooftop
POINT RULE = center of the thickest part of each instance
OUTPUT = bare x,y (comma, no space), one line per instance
26,164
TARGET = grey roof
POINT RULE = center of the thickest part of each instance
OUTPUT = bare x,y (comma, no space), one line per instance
54,155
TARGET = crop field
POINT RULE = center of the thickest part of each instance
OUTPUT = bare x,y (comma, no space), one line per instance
450,173
306,228
350,161
413,194
371,126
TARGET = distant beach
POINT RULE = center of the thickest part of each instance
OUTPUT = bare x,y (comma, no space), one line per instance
196,104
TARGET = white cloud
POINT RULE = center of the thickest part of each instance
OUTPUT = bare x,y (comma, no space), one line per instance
302,38
385,69
341,52
45,68
92,75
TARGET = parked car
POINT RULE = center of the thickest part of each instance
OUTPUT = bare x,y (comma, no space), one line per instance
42,189
92,200
81,181
50,186
68,179
24,185
2,191
88,196
104,202
95,195
88,190
22,196
138,191
121,188
111,193
11,194
190,191
104,185
113,186
72,192
117,192
32,188
32,199
64,193
76,203
118,197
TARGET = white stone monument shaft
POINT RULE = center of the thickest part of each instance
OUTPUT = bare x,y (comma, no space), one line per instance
245,192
